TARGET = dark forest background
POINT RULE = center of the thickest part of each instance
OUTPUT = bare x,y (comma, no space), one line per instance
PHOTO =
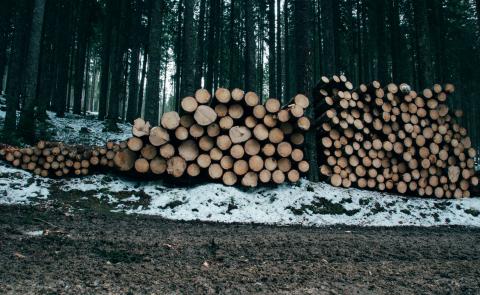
122,59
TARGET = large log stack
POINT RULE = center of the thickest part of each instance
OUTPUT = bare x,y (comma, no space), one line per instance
393,139
230,137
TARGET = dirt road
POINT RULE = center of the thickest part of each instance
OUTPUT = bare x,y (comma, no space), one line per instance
95,253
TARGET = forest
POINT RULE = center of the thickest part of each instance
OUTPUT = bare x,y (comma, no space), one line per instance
119,60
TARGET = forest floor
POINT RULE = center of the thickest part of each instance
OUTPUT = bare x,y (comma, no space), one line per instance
54,251
117,234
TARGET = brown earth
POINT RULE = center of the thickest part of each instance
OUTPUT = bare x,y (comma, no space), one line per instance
92,252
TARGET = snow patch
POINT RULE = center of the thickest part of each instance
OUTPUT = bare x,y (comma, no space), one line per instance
306,203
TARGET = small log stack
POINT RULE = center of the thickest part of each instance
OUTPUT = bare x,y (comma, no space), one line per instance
49,159
392,139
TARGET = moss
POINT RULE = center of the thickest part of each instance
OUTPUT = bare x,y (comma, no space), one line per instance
364,202
172,204
322,206
377,208
473,212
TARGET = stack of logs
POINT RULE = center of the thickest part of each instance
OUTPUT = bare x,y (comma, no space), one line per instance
393,139
58,159
230,137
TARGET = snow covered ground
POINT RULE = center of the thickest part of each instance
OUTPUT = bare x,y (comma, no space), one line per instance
309,204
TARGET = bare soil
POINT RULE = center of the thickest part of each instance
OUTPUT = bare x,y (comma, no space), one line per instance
96,252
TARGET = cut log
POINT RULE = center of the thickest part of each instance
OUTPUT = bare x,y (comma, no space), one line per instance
167,151
278,177
204,160
221,110
252,147
239,134
196,131
189,104
124,160
205,115
193,170
140,128
202,96
272,105
237,151
188,150
229,178
227,162
240,167
135,144
226,123
149,152
260,132
158,165
224,142
223,95
276,135
181,133
158,136
237,94
215,171
176,166
170,120
250,179
255,163
142,165
213,130
265,176
259,111
251,99
235,111
301,100
206,143
284,149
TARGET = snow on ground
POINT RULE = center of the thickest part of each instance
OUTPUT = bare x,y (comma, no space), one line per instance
308,204
76,129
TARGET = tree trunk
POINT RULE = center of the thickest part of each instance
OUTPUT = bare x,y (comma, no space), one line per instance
188,66
105,61
62,59
135,60
279,53
395,40
328,37
26,126
199,61
116,65
155,55
382,61
16,64
250,68
80,53
272,79
6,9
303,71
424,63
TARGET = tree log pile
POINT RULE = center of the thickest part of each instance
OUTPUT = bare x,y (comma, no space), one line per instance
57,159
229,137
392,139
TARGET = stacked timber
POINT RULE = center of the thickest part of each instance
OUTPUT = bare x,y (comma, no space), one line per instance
58,159
229,136
393,139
